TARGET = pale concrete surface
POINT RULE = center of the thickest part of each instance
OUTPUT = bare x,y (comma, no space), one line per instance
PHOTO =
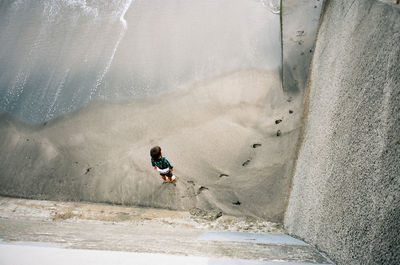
11,254
45,231
254,238
346,190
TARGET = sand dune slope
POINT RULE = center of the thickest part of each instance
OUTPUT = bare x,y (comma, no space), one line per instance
220,135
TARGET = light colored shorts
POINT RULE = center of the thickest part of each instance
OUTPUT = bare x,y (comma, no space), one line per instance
165,172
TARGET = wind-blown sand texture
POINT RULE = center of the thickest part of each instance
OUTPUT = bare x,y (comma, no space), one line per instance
220,134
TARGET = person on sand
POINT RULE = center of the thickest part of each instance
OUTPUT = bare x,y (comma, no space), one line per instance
161,164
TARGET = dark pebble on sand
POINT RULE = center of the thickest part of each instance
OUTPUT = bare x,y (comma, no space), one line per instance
201,189
246,162
278,133
278,121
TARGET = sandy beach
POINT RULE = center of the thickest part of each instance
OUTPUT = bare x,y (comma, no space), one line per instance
231,140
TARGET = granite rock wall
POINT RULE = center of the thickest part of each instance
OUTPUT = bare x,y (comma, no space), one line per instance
345,196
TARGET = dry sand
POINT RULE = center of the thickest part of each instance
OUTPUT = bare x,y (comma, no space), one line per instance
220,134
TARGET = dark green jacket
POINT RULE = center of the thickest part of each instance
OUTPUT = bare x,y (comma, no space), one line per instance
162,163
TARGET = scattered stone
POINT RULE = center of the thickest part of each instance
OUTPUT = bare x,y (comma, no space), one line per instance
289,99
45,123
278,133
311,50
302,53
236,203
27,140
290,111
278,121
277,226
210,215
63,216
201,189
256,145
223,175
88,170
246,162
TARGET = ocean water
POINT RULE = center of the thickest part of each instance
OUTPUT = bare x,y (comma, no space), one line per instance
58,55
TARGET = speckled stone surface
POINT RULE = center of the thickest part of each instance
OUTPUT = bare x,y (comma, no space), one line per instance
345,197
